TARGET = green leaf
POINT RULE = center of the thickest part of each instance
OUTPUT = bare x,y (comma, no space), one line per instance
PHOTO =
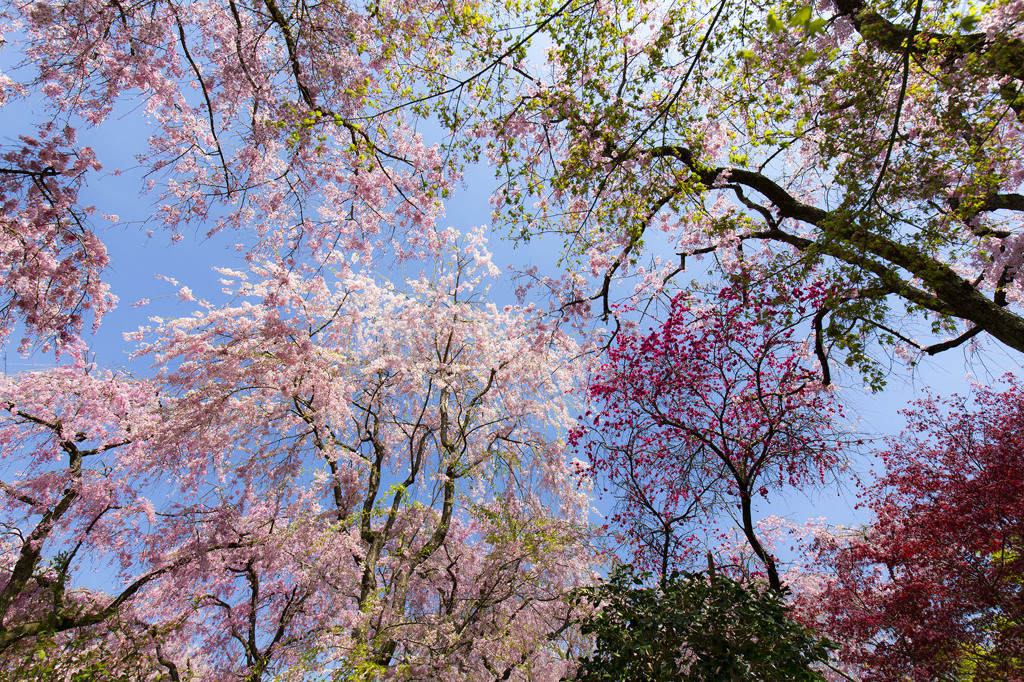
807,57
802,16
815,26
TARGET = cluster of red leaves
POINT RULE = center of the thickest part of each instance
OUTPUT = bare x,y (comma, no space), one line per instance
935,586
719,405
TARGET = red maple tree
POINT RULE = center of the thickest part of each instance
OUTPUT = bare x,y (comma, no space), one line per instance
933,587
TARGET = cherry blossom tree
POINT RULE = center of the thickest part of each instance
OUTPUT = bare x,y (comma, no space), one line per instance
325,475
451,523
293,122
705,414
931,589
331,473
881,141
52,260
72,431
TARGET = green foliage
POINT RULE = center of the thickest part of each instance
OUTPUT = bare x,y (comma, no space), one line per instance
691,627
875,142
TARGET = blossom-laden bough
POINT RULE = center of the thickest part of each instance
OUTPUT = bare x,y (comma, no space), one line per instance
327,475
